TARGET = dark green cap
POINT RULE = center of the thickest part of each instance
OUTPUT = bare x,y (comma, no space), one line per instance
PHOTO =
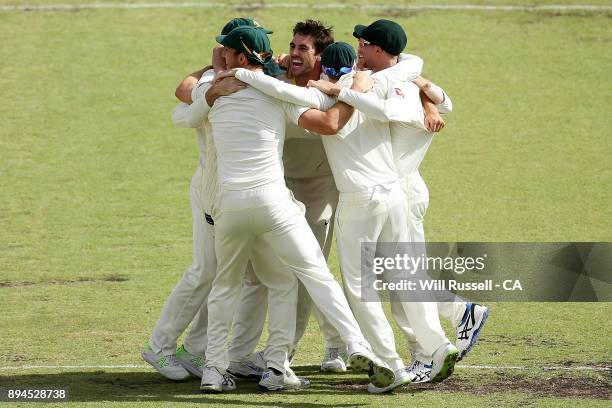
251,41
387,34
238,22
338,59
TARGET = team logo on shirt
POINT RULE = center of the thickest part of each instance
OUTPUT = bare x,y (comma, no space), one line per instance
398,92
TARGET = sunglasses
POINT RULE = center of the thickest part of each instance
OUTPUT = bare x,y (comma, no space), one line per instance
263,57
329,71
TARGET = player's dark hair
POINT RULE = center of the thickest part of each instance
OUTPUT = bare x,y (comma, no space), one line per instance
323,36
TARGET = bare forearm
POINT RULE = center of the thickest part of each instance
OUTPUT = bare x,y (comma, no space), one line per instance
329,122
183,90
433,91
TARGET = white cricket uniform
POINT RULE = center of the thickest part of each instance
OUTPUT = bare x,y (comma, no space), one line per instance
410,141
192,290
196,115
372,204
308,176
254,206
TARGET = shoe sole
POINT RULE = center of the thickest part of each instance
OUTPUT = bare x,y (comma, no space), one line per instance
336,370
210,390
153,362
477,331
380,376
448,366
391,387
278,388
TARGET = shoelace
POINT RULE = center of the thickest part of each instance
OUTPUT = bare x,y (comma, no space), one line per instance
228,379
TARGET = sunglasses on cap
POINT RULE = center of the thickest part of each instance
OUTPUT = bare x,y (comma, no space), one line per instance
263,57
329,71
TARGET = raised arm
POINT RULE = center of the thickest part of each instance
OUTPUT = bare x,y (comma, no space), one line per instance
183,90
203,96
310,97
395,108
192,116
326,123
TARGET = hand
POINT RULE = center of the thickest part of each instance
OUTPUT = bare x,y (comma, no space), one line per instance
224,87
230,73
218,58
283,60
362,82
360,63
434,122
324,86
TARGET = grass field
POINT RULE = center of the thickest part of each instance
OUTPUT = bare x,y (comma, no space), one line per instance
95,222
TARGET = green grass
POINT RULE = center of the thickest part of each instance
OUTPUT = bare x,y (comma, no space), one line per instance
95,219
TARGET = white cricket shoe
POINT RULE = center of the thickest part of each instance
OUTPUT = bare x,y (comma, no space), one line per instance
167,366
214,381
418,371
270,381
361,358
333,360
470,327
245,370
443,363
401,378
190,362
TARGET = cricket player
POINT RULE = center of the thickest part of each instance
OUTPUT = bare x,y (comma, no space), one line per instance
254,207
372,204
309,177
410,141
190,294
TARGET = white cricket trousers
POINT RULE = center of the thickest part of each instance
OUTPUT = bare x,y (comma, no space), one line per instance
189,295
320,198
269,214
379,215
417,197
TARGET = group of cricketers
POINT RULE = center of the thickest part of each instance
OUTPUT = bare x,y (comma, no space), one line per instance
292,148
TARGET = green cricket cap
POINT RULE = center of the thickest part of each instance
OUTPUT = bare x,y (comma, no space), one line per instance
387,34
340,57
251,41
238,22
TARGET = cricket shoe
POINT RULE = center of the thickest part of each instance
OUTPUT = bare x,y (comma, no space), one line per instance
190,362
402,377
443,363
333,360
470,327
168,366
245,370
215,381
278,381
419,371
361,358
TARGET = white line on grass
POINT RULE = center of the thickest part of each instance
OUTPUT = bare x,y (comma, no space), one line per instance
474,7
469,367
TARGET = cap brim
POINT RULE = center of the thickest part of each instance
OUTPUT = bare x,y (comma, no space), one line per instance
358,30
268,31
220,38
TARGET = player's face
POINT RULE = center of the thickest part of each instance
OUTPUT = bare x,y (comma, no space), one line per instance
365,53
303,55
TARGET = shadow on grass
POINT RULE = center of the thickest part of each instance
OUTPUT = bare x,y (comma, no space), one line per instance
150,386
